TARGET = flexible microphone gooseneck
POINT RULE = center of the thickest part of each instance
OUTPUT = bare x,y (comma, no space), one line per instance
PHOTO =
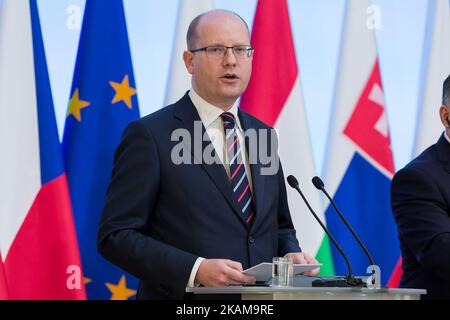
350,280
318,183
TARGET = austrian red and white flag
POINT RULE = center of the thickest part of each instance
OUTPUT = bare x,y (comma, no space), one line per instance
37,235
274,96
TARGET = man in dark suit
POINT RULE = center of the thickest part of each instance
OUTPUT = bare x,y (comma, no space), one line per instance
173,217
421,205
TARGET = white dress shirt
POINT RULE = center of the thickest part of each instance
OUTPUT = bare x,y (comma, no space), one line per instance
446,136
213,123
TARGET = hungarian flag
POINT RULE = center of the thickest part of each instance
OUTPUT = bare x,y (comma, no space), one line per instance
179,79
274,96
359,165
435,68
37,233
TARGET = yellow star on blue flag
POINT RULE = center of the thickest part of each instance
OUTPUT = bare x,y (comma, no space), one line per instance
123,92
76,104
120,291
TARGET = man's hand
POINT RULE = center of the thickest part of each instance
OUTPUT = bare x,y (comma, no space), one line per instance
221,272
303,258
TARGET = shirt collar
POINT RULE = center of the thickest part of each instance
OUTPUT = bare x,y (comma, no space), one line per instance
446,136
208,112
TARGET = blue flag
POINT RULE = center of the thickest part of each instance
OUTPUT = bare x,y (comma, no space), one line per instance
103,100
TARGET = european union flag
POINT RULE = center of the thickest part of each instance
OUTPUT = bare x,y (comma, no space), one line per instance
102,102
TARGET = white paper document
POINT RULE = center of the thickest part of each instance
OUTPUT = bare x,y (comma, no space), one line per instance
263,271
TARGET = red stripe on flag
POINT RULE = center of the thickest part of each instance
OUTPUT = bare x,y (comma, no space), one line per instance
3,285
45,246
396,275
274,63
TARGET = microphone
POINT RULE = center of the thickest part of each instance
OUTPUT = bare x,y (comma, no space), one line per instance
350,280
318,183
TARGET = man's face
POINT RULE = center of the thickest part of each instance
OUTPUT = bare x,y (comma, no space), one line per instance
220,81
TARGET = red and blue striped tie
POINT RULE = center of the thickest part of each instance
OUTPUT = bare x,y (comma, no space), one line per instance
238,176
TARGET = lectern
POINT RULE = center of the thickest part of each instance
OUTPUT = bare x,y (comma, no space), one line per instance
309,293
303,290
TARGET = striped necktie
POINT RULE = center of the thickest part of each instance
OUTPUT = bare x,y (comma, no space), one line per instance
238,176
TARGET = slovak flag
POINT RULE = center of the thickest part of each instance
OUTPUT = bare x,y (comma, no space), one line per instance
359,164
37,234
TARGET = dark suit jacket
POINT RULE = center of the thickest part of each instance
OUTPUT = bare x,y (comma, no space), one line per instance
159,217
421,205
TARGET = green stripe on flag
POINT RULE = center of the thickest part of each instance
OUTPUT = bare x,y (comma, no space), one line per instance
324,256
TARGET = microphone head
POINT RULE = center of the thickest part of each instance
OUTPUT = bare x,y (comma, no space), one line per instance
318,183
292,181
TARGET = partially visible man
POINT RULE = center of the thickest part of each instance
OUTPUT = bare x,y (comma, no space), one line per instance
420,197
175,224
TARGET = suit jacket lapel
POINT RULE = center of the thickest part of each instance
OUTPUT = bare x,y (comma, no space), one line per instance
186,112
443,152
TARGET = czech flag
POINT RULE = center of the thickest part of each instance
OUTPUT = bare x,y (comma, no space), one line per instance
37,233
3,285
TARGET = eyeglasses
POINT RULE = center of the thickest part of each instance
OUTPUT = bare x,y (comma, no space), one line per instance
219,52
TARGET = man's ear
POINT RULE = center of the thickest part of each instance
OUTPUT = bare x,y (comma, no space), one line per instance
444,113
188,58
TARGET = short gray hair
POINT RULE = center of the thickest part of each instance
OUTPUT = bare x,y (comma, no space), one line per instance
192,34
446,92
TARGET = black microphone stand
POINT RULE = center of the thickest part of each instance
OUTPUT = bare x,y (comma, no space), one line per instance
318,183
350,280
